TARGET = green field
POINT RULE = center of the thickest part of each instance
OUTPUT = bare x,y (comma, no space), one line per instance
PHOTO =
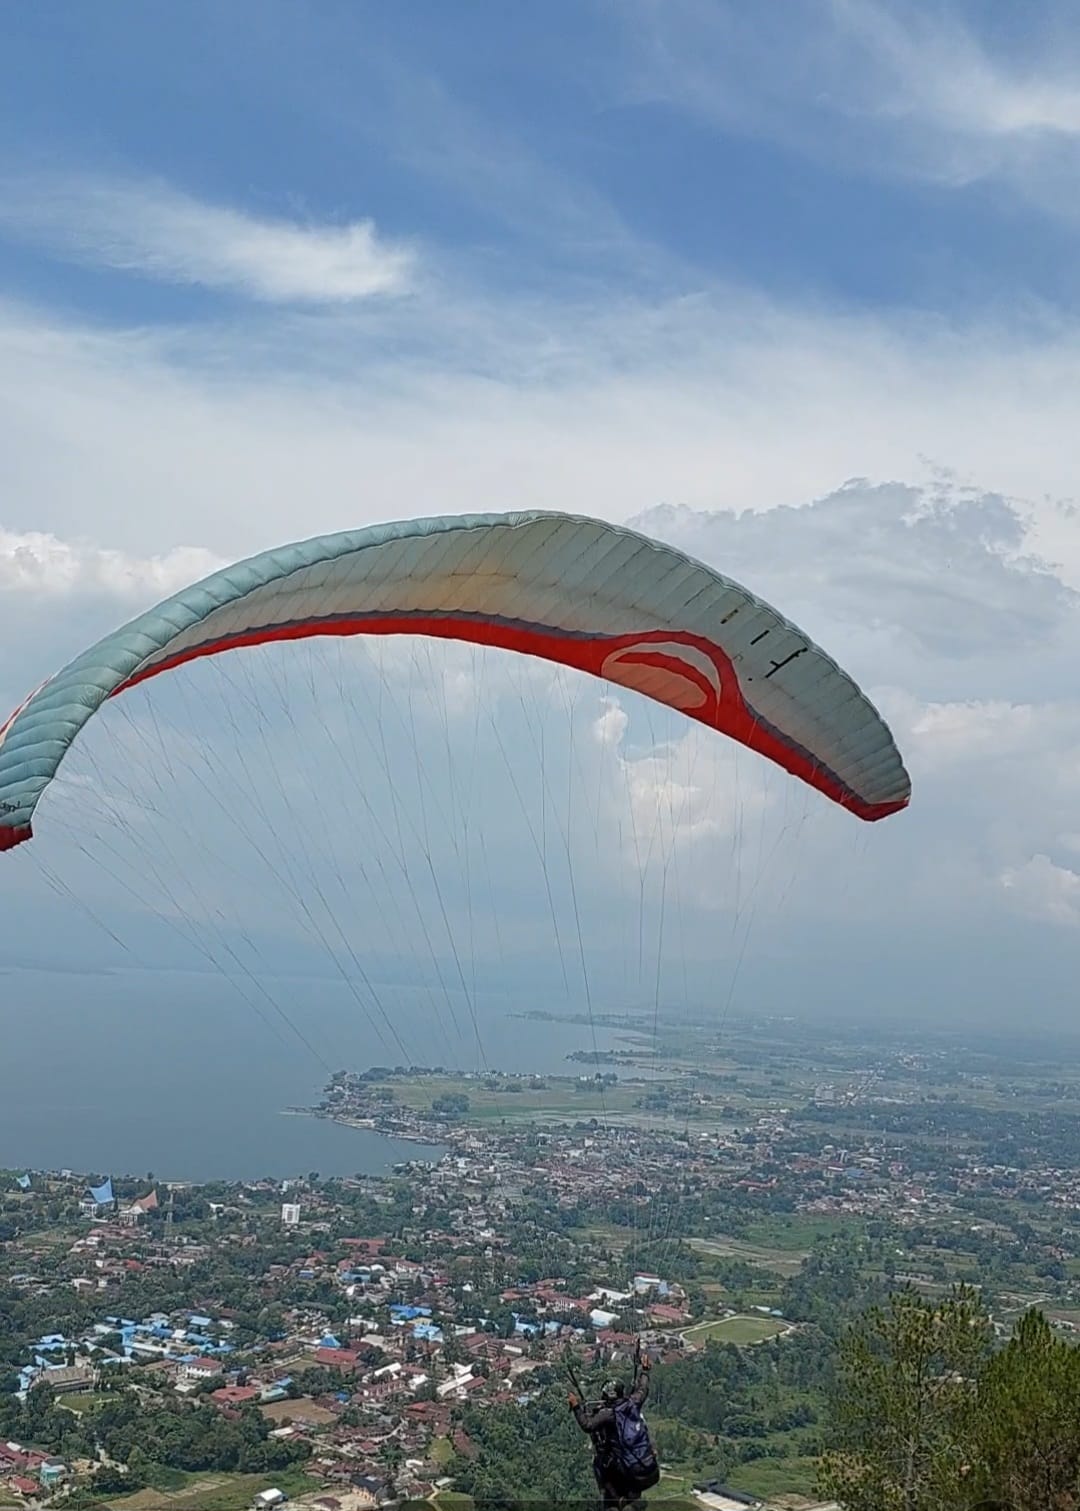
779,1244
215,1492
798,1232
83,1402
766,1478
561,1099
736,1330
779,1261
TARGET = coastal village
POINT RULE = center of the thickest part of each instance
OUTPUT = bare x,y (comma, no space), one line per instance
402,1344
354,1327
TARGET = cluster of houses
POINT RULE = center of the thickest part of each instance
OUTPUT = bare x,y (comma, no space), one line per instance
73,1364
30,1474
403,1344
410,1353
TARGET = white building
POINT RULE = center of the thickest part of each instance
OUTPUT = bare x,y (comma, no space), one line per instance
643,1283
603,1319
197,1370
290,1216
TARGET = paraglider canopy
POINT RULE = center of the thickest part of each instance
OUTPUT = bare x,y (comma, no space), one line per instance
594,596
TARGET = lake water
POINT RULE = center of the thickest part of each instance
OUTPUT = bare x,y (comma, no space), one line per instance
175,1073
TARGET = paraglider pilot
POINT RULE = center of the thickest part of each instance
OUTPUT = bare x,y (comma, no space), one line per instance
624,1463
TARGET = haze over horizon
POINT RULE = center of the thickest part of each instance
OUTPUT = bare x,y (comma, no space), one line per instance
367,264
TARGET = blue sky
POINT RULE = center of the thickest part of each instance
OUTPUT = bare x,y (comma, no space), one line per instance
795,286
851,153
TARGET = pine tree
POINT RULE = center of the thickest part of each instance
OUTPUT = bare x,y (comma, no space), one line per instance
905,1402
1027,1428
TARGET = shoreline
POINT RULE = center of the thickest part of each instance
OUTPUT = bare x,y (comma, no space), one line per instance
410,1136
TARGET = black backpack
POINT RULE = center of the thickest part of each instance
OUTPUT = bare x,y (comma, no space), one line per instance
631,1451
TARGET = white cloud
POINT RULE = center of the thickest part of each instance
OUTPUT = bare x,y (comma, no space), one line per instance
924,64
610,725
947,567
898,88
155,231
58,596
931,596
961,732
1045,891
43,564
241,437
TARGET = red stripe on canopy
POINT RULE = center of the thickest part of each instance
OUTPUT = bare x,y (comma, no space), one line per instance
725,711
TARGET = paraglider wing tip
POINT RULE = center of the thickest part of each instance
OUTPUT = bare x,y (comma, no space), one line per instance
9,838
872,812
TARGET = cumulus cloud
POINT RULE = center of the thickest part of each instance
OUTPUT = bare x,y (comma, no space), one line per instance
935,585
610,725
154,230
1045,891
57,596
933,597
956,735
251,435
42,564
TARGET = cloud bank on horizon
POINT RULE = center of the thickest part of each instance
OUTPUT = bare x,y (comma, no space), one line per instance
367,282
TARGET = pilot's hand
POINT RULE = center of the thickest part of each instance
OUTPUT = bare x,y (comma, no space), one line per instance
646,1363
573,1400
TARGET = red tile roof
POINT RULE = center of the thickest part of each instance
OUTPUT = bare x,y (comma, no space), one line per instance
234,1395
337,1358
